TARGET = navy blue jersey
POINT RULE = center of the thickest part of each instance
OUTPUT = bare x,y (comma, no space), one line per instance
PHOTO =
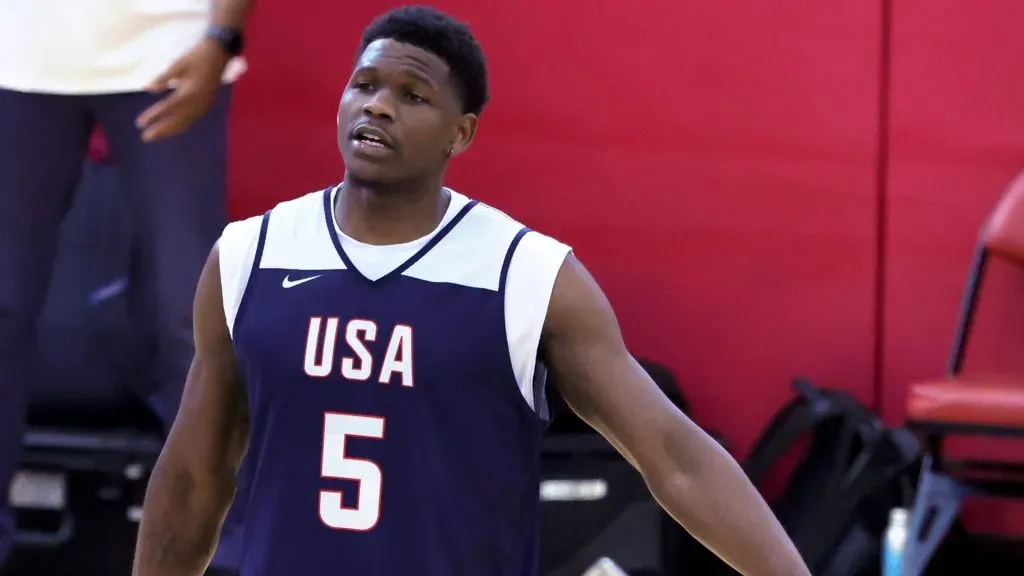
395,418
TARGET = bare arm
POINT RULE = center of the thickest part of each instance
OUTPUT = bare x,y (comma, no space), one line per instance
190,85
193,482
690,475
231,13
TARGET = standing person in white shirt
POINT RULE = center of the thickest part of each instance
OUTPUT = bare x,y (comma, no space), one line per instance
155,75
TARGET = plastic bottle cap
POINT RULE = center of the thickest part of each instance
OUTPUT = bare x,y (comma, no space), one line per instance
898,517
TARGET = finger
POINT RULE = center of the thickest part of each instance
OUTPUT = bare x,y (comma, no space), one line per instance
166,80
163,129
169,125
161,108
171,120
154,112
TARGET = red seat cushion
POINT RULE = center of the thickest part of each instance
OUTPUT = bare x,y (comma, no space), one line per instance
985,401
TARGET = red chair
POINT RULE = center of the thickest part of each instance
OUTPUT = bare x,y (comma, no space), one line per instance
967,405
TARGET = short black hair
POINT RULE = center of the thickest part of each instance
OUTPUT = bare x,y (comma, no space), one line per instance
443,36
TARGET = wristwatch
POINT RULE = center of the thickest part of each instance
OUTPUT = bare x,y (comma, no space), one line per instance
230,39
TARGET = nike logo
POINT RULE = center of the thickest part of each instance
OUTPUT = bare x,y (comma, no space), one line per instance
289,283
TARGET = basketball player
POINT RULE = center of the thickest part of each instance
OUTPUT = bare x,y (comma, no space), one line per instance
375,348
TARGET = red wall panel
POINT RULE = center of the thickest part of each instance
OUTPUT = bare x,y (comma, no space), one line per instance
957,138
713,163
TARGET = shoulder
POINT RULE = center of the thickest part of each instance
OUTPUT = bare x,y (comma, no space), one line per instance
239,247
244,232
303,206
533,259
529,245
297,234
239,234
236,253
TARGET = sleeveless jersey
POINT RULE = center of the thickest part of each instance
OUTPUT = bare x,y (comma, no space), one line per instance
395,422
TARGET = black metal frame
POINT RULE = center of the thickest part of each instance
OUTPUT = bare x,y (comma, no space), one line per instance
934,432
107,452
967,307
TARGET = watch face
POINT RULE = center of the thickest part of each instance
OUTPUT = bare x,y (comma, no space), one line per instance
230,39
234,44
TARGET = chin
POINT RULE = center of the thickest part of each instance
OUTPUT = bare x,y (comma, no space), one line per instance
365,173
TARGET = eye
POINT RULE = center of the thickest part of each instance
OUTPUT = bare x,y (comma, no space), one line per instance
414,97
364,86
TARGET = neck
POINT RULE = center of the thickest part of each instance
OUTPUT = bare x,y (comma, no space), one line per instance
389,214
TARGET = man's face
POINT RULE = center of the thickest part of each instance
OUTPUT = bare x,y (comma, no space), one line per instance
400,114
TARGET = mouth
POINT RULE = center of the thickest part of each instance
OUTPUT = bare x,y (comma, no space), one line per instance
369,137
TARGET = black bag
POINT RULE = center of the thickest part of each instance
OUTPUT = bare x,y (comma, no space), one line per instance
836,502
88,357
624,522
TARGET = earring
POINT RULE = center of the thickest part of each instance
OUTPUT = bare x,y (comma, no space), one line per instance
450,151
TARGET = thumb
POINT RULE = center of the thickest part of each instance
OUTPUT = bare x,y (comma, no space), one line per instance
166,80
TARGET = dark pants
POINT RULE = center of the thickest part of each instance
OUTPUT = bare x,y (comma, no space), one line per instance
176,191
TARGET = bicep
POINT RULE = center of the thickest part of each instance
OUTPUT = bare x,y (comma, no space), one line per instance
598,377
210,433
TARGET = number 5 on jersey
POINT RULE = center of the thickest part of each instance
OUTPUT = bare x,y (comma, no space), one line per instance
338,429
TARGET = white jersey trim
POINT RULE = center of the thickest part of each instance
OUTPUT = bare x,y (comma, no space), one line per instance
531,280
237,252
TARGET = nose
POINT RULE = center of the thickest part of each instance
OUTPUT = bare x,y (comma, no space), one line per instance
380,106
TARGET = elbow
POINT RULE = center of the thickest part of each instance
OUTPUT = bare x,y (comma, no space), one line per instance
669,484
686,470
679,494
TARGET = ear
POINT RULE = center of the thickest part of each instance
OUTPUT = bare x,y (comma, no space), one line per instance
465,131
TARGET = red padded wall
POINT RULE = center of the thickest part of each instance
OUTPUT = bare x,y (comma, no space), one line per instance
957,138
713,163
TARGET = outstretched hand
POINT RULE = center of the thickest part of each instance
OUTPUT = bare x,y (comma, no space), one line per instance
191,83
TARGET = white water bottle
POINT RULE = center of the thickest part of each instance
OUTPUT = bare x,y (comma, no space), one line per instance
895,542
605,567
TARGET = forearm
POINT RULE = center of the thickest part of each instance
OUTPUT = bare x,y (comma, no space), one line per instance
231,13
708,493
181,523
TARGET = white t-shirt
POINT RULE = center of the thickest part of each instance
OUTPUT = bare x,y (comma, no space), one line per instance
96,46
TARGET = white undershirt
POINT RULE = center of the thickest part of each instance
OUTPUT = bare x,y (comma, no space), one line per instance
374,261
